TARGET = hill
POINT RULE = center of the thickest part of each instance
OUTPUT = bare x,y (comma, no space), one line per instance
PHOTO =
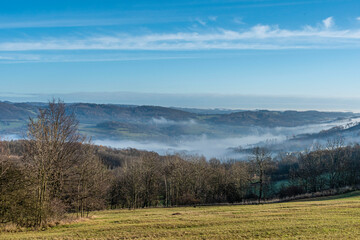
350,131
267,118
154,122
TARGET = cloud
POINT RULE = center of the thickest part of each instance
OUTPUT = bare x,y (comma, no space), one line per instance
238,20
258,37
328,22
213,18
6,58
16,58
164,121
358,18
202,22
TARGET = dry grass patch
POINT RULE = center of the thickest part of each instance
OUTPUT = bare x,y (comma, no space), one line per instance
321,218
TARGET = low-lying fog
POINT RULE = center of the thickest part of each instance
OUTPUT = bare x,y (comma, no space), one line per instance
222,147
199,145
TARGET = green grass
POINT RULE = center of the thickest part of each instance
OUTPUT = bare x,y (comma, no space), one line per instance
336,217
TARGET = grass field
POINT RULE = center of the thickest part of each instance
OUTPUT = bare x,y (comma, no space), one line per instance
336,217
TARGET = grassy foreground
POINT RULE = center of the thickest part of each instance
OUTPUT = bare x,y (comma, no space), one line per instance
335,217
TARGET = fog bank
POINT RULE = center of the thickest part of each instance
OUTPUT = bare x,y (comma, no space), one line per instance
223,147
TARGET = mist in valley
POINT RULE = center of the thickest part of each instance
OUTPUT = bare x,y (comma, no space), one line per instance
277,139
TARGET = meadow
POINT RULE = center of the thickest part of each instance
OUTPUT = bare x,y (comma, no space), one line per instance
336,217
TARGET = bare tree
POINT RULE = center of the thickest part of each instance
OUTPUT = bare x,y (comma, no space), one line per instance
89,183
336,162
311,170
4,156
261,162
52,148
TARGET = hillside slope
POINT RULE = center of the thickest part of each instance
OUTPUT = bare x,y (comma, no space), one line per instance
334,217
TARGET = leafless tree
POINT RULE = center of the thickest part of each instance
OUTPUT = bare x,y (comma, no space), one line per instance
261,163
336,162
89,183
4,155
52,149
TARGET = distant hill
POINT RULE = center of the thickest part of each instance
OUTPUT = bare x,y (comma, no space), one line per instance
96,113
277,118
347,131
208,111
16,111
148,122
350,133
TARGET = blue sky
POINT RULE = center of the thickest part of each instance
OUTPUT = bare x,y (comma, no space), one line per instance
286,49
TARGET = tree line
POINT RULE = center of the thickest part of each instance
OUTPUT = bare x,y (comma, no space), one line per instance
56,171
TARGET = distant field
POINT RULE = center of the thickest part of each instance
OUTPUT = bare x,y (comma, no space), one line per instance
335,217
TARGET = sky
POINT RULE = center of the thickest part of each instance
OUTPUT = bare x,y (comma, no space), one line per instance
282,54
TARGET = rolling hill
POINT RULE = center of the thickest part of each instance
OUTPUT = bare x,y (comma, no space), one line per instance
154,122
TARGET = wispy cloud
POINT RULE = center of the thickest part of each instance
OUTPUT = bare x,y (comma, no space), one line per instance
6,58
202,22
19,57
63,23
262,37
213,18
328,22
238,20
